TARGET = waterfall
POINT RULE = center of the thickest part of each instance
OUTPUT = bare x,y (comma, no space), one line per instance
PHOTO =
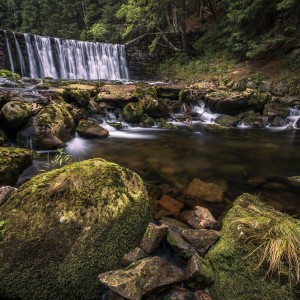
11,62
20,57
71,59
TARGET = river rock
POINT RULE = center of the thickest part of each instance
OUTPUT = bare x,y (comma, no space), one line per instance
170,204
247,229
91,129
15,113
66,226
202,295
134,255
142,277
5,193
13,161
179,294
153,237
174,224
79,95
276,109
199,272
199,218
200,190
117,92
169,91
228,121
3,137
155,108
253,119
201,239
133,112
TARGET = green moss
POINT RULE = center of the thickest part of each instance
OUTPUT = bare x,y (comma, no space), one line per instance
142,91
155,108
236,256
67,226
80,97
133,112
2,227
12,163
8,74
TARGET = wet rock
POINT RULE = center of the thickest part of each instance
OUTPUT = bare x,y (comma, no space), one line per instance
76,95
199,218
294,181
179,294
170,204
13,161
155,108
277,122
134,255
253,119
274,186
276,109
174,224
91,129
153,237
200,190
279,88
169,91
247,227
265,86
15,113
5,193
289,128
147,121
142,277
201,239
202,295
117,92
256,181
66,226
3,137
179,245
199,272
213,127
133,112
228,121
114,296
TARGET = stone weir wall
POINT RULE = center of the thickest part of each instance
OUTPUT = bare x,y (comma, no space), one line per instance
141,64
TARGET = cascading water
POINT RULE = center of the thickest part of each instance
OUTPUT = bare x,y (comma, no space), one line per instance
70,59
294,116
59,58
11,62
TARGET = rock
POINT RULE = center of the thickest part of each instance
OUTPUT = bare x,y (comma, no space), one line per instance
277,122
253,119
5,193
51,128
170,204
200,190
179,294
256,181
276,108
265,86
169,91
114,296
228,121
76,95
199,272
294,181
3,137
142,278
213,127
202,295
15,113
133,112
134,255
66,226
201,239
199,218
117,92
248,228
179,245
91,129
279,88
289,128
155,108
147,121
153,237
174,224
13,161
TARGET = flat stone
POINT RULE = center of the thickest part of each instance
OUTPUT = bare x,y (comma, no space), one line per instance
134,255
91,129
142,277
170,204
199,218
153,237
114,296
201,239
5,193
201,190
174,224
117,92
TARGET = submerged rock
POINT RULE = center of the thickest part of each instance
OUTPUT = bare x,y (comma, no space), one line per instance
142,277
13,161
66,226
241,269
90,129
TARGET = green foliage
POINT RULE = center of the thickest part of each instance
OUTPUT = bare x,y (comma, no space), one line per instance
8,74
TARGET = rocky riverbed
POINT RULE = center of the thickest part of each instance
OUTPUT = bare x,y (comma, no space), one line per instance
95,230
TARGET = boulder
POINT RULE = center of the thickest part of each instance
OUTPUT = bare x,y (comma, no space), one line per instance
174,224
134,255
117,92
13,161
250,259
228,121
170,204
79,94
142,277
91,129
5,193
276,109
153,237
169,91
51,128
66,226
200,190
155,108
15,113
253,119
133,112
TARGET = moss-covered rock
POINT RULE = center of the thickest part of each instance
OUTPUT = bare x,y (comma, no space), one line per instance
66,226
247,229
9,74
133,112
79,96
117,92
15,113
13,161
155,108
228,121
276,109
90,129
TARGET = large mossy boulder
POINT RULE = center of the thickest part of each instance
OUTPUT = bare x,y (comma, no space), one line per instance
91,129
244,260
66,226
13,161
155,108
133,112
117,92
